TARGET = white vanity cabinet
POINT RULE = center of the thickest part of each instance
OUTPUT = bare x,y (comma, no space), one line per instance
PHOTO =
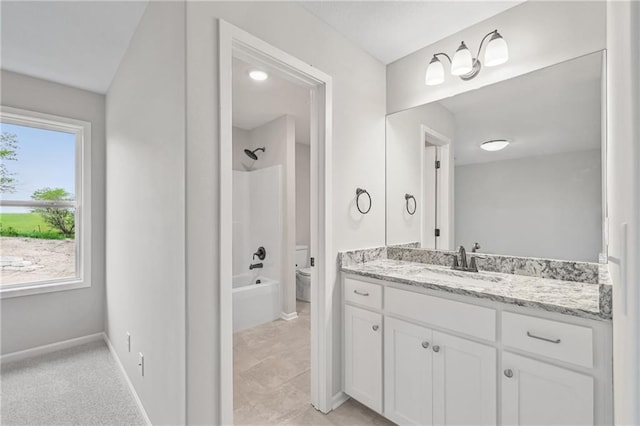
408,372
464,382
422,359
537,393
363,356
435,378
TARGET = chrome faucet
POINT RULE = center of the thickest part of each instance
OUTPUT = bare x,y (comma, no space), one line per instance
472,266
463,257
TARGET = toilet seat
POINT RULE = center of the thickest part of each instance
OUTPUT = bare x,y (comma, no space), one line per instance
306,272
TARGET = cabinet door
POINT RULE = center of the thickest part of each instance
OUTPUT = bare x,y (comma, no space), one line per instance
464,382
363,356
536,393
407,373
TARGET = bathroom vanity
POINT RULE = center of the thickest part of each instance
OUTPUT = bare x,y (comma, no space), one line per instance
505,334
424,344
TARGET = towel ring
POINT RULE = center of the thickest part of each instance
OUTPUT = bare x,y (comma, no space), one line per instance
408,197
359,192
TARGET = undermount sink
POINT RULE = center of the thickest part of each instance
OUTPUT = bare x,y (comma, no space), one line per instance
454,275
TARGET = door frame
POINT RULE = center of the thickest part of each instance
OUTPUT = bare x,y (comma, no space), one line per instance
443,143
235,42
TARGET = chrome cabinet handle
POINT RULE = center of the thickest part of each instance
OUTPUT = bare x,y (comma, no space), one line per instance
375,327
436,348
425,344
508,372
533,336
360,293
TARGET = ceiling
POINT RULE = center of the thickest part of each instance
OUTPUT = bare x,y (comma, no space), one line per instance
81,43
77,43
258,102
553,110
390,30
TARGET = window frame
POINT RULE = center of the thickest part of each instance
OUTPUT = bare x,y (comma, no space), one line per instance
82,203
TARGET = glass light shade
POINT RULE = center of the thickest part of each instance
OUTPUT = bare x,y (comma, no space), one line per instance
435,73
258,75
497,51
462,62
494,145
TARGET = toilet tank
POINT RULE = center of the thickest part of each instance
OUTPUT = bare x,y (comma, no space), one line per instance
302,257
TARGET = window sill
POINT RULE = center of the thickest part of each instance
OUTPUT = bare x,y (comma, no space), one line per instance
43,287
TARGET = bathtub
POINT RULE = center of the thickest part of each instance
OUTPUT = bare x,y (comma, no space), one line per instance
254,304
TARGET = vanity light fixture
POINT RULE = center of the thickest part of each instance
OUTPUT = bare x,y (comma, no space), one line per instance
464,64
258,75
494,145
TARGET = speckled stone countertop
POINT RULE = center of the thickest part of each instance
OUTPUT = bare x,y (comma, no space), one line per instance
564,297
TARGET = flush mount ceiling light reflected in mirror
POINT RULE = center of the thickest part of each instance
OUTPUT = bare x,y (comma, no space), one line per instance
464,64
494,145
258,75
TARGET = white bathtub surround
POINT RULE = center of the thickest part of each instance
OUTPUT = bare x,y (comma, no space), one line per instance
256,300
257,221
278,138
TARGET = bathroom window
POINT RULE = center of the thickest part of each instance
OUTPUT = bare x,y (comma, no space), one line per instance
45,219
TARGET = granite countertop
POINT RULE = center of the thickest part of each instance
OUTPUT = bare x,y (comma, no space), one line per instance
565,297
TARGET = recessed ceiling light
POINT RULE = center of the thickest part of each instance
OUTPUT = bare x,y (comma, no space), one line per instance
494,145
258,75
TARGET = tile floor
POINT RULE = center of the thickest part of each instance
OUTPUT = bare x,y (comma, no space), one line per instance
272,378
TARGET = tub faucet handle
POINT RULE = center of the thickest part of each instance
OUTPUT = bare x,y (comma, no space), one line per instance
261,253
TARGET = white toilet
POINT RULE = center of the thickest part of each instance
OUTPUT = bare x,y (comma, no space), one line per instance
303,274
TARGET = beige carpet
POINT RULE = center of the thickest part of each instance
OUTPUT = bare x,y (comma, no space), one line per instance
76,386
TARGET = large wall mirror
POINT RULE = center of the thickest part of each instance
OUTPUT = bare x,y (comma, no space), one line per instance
517,166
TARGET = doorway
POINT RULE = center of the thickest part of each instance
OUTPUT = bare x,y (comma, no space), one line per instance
437,190
239,45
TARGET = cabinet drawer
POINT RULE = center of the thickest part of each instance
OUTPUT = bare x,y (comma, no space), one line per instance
363,293
469,319
565,342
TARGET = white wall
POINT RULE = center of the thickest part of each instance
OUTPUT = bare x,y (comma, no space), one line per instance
405,151
241,233
553,204
358,160
36,320
146,210
623,189
303,186
539,34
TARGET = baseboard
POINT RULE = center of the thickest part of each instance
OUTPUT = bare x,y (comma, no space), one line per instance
339,399
126,378
52,347
289,317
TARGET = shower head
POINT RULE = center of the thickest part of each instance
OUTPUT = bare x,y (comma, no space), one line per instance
252,154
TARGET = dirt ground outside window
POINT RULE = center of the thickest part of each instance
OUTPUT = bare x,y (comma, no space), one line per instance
26,260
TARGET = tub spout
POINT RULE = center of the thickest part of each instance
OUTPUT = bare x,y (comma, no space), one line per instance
255,266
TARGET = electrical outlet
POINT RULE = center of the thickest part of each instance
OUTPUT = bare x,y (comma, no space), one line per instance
141,363
128,342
